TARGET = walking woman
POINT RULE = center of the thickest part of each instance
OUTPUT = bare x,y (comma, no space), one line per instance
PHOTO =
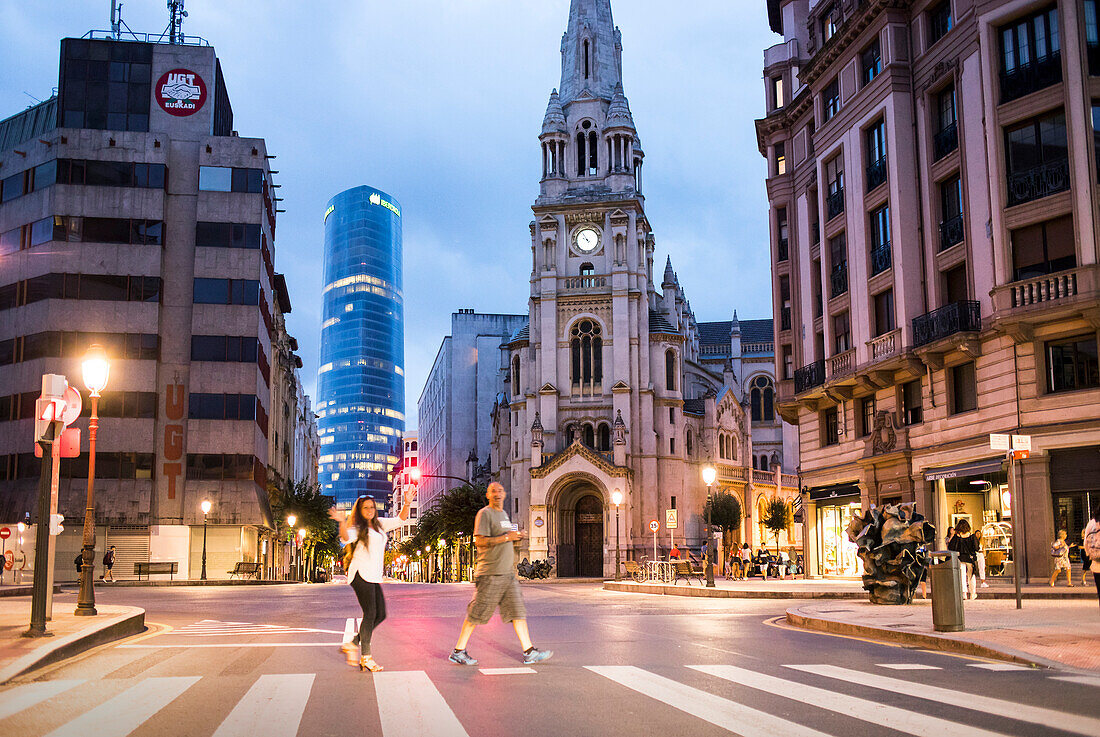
1091,547
366,532
967,546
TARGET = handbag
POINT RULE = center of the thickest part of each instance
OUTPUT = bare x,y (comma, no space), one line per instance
349,553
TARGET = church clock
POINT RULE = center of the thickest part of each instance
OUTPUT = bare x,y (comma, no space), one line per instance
586,239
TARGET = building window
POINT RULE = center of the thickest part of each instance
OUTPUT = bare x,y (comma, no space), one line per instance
586,348
866,416
939,21
838,256
780,158
880,240
603,437
1037,156
781,227
964,391
1072,364
670,370
1092,37
830,99
224,348
515,375
788,363
842,333
828,24
105,85
672,446
228,235
221,407
815,284
871,61
831,422
227,291
954,285
876,155
946,138
1044,248
689,446
884,312
912,407
778,99
230,179
951,218
1031,56
784,303
1096,135
762,399
834,181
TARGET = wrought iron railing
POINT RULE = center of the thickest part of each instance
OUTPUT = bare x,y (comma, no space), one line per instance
809,376
876,174
834,203
946,141
957,317
951,232
1037,182
839,279
880,258
1028,78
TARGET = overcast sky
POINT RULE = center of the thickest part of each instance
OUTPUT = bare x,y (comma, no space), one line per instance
440,103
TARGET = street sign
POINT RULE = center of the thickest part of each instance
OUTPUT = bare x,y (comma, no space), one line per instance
5,533
654,526
670,519
73,405
1021,442
998,441
69,444
1021,454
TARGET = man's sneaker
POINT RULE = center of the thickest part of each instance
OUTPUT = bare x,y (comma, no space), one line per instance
461,657
534,655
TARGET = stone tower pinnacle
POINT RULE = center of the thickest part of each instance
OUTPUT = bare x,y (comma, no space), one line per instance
591,52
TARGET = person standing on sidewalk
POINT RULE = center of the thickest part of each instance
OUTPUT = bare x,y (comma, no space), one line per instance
1091,547
967,546
1059,552
495,583
366,532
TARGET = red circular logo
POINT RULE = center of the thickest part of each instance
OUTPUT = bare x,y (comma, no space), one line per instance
5,533
180,92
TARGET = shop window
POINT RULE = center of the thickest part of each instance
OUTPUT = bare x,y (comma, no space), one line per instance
866,416
939,21
837,555
830,421
1044,248
884,312
912,404
1072,364
964,391
871,61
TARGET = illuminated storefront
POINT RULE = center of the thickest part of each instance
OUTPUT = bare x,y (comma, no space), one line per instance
978,493
833,508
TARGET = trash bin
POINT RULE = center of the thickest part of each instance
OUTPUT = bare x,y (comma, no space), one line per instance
945,576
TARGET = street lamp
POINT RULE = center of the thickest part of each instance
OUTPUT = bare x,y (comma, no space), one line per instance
617,499
709,474
290,520
205,511
95,369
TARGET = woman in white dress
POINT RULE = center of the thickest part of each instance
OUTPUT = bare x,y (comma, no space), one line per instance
366,531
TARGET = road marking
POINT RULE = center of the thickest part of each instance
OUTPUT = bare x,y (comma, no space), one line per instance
506,671
215,628
721,712
908,666
276,701
995,707
129,710
1083,680
24,697
998,666
869,711
351,628
230,644
409,705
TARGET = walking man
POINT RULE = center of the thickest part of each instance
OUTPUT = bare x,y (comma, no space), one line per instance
108,565
495,583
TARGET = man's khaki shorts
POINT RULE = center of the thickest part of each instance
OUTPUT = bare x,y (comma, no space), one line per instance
491,592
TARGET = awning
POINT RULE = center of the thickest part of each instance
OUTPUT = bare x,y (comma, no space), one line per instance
829,492
974,468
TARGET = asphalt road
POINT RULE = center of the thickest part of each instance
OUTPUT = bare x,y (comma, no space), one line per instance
264,660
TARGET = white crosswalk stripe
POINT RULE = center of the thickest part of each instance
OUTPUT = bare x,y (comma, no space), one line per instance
999,667
277,701
1083,680
215,628
26,696
869,711
976,702
729,715
124,713
908,666
409,705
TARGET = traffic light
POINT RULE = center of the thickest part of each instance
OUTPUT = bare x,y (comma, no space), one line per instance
56,528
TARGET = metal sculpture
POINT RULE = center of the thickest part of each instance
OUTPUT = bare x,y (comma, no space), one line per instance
892,544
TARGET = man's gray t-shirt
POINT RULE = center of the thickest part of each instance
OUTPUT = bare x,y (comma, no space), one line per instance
500,559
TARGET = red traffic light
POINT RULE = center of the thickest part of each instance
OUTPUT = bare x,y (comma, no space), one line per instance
414,474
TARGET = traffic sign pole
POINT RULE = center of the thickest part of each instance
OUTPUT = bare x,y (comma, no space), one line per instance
55,470
41,540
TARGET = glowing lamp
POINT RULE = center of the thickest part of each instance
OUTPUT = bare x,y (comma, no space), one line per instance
96,369
709,474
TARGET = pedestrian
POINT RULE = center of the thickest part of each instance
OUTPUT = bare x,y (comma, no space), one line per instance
1091,547
495,583
950,534
733,569
79,562
674,554
108,564
746,560
1059,552
363,534
967,546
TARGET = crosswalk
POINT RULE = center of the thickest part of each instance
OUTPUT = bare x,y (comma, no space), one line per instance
217,628
416,703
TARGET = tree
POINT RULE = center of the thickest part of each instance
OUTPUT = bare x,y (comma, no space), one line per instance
726,512
450,518
306,502
778,516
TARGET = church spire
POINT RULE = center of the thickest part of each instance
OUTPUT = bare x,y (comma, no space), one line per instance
591,52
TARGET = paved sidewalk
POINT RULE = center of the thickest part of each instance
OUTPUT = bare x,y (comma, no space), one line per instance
1064,632
71,634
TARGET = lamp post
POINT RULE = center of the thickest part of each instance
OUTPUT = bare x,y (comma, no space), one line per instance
617,499
205,511
290,520
709,474
95,369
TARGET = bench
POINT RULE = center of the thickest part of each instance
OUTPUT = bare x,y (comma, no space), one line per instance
634,570
685,571
170,567
245,568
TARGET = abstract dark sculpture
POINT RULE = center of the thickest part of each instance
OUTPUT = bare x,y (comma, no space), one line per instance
893,547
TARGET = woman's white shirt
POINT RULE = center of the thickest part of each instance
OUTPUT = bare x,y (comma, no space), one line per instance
367,560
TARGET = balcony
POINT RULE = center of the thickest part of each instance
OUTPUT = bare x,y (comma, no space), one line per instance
885,345
843,363
951,232
573,283
784,318
946,141
876,174
809,376
782,255
1046,288
834,203
1038,182
880,258
839,279
1041,299
957,317
1032,77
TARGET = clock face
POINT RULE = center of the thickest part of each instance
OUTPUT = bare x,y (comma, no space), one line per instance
587,240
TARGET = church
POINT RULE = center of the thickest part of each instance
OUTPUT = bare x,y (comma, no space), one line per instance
612,384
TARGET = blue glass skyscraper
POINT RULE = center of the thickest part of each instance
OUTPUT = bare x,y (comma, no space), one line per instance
361,381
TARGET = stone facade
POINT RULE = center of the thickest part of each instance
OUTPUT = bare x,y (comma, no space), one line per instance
948,287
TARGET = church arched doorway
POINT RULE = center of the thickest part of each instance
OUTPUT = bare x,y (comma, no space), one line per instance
588,534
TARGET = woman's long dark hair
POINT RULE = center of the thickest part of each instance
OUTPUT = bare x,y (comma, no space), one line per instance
360,523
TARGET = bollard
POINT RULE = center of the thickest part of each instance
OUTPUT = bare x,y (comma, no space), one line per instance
945,577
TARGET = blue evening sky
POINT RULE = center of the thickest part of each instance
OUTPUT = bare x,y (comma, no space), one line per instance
440,102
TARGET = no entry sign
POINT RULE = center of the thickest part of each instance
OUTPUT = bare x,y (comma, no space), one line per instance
5,533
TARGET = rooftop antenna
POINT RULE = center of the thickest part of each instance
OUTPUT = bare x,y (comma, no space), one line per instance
116,19
175,23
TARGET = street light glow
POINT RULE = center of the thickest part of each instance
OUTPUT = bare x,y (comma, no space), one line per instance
205,506
709,474
414,474
616,497
96,369
291,519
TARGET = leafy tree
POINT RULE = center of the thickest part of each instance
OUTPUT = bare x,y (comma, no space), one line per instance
306,502
726,512
778,516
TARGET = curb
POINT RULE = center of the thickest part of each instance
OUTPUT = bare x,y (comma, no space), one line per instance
24,590
717,593
116,628
916,639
